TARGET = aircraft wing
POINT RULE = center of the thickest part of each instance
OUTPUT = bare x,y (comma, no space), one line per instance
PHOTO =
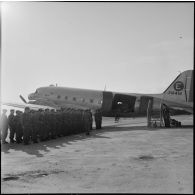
38,106
31,106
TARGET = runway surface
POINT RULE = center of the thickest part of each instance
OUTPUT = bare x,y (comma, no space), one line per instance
122,157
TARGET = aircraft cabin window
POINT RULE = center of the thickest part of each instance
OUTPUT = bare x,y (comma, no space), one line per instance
91,100
83,100
99,101
51,93
66,97
46,95
74,99
58,96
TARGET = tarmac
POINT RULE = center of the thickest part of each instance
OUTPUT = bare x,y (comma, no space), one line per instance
123,157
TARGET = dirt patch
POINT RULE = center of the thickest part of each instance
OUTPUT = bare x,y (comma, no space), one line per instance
31,174
146,157
10,178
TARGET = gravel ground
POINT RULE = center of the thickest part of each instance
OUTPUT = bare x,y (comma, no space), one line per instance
122,157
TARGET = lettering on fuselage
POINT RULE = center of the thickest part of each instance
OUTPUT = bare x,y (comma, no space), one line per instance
174,92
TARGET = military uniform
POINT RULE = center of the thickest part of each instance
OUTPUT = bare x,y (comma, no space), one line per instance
91,119
26,123
58,123
87,122
66,123
41,125
4,126
53,124
166,116
46,127
98,119
18,124
35,126
12,126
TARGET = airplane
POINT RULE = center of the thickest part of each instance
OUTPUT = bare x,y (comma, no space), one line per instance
178,96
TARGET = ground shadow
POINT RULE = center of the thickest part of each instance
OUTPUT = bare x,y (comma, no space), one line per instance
36,149
45,146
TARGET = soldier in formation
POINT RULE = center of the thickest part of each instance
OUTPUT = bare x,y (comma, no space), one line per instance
18,126
26,125
4,126
11,124
42,125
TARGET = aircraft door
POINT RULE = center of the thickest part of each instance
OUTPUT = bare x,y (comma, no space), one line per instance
144,104
107,101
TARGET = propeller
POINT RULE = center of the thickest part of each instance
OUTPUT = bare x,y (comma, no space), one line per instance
22,98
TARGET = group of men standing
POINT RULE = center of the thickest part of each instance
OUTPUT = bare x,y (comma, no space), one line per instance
42,125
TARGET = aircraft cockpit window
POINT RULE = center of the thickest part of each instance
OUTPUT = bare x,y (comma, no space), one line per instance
99,101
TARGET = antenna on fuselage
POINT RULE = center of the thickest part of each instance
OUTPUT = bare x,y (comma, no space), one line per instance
105,88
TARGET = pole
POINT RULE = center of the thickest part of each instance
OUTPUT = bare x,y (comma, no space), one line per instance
149,109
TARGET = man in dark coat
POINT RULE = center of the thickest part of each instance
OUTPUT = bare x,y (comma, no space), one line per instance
18,124
12,126
26,123
4,126
98,119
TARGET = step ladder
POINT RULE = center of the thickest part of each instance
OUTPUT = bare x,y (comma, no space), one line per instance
154,119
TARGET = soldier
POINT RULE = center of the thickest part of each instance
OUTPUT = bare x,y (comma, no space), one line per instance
83,120
18,124
79,115
4,126
117,117
166,115
87,122
98,119
69,119
65,122
46,127
12,127
91,120
74,121
26,123
41,125
53,124
35,125
58,123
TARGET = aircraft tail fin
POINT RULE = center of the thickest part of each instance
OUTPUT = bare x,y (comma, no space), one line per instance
181,89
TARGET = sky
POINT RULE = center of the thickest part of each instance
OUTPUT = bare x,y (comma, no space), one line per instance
123,46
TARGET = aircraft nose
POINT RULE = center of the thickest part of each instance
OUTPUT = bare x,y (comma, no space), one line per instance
31,96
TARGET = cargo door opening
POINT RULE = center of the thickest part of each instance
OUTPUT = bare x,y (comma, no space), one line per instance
123,103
